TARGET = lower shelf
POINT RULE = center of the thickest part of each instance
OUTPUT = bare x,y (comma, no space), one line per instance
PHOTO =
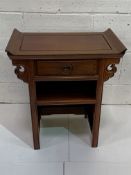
66,93
87,110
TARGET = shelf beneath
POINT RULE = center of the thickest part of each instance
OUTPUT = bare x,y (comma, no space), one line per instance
66,109
66,93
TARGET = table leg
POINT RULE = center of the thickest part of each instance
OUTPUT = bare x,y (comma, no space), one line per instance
97,112
86,115
33,107
35,127
96,124
34,116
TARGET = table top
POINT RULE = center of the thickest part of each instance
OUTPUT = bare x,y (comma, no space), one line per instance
91,43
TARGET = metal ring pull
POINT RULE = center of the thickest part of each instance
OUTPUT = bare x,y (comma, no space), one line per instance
67,68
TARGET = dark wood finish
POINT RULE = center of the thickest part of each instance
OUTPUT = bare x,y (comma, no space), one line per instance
34,112
65,72
66,78
97,112
43,44
62,68
66,109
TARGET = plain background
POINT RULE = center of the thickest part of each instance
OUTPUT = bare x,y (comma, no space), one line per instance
65,139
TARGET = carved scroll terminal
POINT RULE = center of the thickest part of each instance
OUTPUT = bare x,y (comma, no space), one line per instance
109,72
21,70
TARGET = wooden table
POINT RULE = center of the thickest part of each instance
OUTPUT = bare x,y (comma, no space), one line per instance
65,72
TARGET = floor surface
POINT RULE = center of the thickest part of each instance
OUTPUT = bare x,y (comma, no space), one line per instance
65,143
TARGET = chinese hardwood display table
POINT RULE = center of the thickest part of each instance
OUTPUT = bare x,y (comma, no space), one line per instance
65,72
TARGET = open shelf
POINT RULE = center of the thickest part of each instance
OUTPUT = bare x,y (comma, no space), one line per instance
66,93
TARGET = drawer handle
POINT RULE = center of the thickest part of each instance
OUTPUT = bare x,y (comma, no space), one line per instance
67,68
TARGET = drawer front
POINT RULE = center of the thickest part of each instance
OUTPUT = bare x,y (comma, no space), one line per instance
64,68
